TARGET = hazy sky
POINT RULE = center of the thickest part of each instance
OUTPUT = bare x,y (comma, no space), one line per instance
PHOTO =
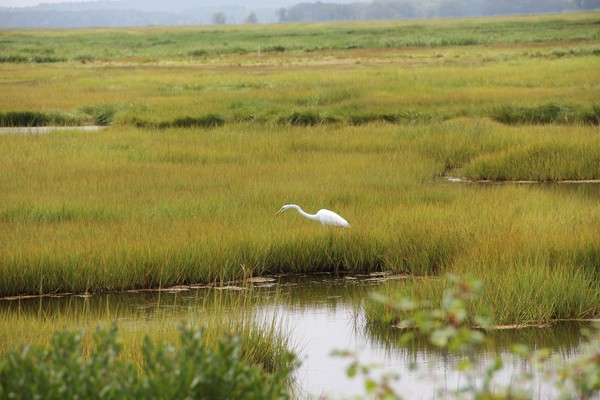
30,3
27,3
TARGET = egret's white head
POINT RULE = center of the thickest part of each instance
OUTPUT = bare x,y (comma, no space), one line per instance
282,209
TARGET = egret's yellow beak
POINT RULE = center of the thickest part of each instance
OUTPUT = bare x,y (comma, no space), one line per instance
277,212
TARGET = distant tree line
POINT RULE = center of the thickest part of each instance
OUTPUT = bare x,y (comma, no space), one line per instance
87,14
402,9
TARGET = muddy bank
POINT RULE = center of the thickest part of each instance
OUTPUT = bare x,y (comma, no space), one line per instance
455,179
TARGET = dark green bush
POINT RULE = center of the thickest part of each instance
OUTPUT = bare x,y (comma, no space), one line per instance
24,118
39,118
13,59
197,53
34,59
591,117
206,121
362,119
191,370
46,59
459,42
276,48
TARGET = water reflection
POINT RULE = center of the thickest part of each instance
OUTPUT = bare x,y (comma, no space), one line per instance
321,313
586,189
561,337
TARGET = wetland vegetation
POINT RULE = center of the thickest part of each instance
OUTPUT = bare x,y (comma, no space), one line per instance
205,141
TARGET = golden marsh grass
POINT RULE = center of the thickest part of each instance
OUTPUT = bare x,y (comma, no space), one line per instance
126,207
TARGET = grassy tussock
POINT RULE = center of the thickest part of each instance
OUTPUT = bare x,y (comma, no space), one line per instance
98,115
521,293
547,114
538,162
38,59
486,151
37,118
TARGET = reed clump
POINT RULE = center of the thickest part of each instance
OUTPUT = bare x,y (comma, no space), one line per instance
515,295
31,118
207,121
484,151
103,115
538,162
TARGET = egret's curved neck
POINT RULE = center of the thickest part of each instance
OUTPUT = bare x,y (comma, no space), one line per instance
312,217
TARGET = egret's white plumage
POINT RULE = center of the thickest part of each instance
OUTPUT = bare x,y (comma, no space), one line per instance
325,217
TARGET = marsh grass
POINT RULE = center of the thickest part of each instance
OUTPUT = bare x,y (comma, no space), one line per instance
183,187
305,118
218,313
547,114
535,162
102,115
518,294
134,208
33,59
486,151
38,118
210,41
431,80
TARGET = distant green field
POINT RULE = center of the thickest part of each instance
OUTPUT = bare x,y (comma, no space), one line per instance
205,141
517,70
203,43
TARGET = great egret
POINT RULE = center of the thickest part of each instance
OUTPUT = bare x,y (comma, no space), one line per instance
325,217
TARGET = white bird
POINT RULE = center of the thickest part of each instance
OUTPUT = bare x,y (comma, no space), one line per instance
325,217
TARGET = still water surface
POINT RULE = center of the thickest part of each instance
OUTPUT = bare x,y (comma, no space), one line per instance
320,314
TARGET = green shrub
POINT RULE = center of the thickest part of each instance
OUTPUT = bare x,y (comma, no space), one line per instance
47,59
276,48
13,59
190,370
23,118
34,59
197,53
206,121
39,118
591,117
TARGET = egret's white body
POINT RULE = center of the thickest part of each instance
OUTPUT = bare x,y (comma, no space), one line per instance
325,217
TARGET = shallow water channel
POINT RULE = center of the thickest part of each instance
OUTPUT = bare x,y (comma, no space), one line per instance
320,314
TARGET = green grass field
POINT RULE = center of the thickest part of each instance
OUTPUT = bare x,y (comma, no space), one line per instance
206,142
